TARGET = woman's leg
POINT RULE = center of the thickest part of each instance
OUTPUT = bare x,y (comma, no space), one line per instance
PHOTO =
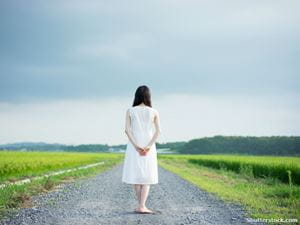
137,188
144,195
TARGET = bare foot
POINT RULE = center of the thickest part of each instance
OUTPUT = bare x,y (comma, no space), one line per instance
144,209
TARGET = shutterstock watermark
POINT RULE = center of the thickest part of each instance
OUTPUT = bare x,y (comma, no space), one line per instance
272,220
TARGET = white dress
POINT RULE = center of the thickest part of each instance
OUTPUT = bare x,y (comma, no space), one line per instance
139,169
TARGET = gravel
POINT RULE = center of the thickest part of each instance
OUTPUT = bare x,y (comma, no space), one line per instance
104,199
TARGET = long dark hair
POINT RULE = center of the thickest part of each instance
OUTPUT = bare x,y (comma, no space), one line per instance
142,94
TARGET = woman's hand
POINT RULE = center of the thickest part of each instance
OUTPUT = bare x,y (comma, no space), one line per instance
143,151
140,150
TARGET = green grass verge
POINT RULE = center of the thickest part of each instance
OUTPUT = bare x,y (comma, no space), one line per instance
263,198
15,196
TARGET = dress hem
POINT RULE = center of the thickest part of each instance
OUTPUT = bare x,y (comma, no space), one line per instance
137,183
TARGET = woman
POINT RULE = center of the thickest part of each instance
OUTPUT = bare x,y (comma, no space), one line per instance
140,163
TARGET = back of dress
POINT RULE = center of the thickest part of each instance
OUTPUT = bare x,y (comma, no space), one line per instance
142,121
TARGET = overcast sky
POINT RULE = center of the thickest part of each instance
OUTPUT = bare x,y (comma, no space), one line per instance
69,68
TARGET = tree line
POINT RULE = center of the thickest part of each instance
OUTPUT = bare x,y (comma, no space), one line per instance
269,145
250,145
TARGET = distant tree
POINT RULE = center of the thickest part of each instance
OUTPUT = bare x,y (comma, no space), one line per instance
273,145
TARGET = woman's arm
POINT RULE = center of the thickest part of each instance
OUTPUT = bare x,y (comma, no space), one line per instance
128,131
157,131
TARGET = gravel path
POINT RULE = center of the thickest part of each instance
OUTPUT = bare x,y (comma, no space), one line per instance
104,199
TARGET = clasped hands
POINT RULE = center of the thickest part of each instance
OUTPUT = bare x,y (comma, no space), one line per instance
143,151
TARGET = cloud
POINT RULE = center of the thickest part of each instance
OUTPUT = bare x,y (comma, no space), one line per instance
121,48
183,117
75,49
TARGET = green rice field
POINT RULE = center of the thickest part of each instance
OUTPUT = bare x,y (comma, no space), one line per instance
285,169
17,165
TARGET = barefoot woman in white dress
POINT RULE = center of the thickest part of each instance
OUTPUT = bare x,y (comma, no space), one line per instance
140,163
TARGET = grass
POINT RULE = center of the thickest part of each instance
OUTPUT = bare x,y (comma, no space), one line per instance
285,169
266,198
18,165
15,196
